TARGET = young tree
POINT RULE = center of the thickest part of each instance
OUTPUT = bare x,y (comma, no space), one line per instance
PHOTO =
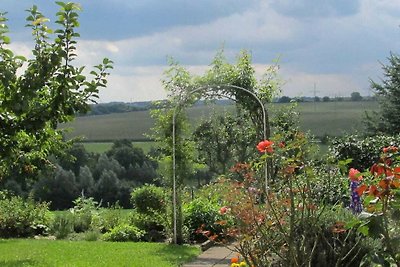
388,91
50,90
356,96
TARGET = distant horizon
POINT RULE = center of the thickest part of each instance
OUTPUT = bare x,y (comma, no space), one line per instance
274,99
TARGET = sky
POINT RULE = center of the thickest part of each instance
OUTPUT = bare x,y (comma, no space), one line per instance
325,47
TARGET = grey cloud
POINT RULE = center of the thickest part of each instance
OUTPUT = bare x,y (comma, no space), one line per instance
315,8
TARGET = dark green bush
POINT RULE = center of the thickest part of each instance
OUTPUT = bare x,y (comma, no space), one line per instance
364,152
148,198
22,218
123,233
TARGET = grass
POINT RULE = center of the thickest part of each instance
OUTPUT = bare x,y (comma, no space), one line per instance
321,118
28,252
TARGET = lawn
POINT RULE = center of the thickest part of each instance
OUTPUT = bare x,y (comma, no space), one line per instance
27,252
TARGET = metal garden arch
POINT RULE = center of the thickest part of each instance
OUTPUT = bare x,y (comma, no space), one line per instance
176,109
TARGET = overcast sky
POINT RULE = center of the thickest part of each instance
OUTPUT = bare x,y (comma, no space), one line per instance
338,45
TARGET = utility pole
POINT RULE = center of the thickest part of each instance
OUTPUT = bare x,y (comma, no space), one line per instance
315,97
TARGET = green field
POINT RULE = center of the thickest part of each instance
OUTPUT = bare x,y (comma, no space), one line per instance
321,118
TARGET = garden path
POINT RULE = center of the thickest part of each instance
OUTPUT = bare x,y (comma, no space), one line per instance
216,256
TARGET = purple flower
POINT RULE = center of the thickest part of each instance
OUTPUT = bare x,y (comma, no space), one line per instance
355,200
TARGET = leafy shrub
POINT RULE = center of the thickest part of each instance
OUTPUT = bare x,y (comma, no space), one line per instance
83,211
62,226
92,235
335,244
106,219
22,218
123,233
148,198
201,213
364,152
153,224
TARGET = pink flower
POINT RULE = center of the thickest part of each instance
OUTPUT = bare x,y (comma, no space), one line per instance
265,146
354,175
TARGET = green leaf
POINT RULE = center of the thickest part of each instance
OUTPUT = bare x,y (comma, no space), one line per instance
6,39
368,199
363,229
353,223
40,21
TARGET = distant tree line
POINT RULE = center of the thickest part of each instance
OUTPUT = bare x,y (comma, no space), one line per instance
354,96
114,107
108,177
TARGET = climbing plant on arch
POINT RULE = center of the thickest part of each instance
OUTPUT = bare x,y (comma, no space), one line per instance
208,91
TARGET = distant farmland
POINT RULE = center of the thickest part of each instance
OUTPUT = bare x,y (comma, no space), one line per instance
321,118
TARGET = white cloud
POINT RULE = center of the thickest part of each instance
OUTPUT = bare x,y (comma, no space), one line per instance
337,47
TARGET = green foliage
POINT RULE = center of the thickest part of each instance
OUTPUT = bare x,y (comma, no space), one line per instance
58,187
62,225
107,219
379,191
225,79
344,248
123,233
83,211
223,139
150,212
386,121
50,90
148,199
107,188
153,224
201,215
364,152
22,218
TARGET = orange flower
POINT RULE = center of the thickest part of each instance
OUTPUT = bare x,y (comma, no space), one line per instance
373,191
354,175
234,260
361,189
265,146
396,171
384,184
379,169
223,210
